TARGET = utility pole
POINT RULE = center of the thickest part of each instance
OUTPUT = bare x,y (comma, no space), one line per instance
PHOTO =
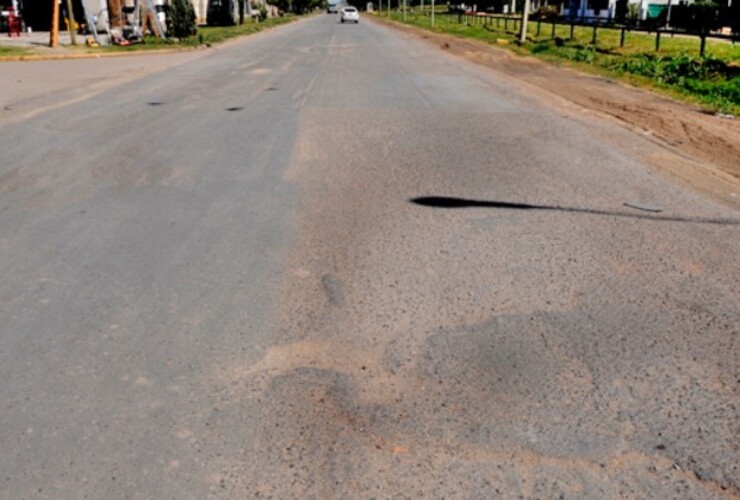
404,10
525,18
432,18
54,38
71,23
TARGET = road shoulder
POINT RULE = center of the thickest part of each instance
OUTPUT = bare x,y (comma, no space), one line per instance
696,148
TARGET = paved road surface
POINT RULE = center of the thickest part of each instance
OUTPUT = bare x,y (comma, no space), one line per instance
214,285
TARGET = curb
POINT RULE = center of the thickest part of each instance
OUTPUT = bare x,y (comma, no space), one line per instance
92,55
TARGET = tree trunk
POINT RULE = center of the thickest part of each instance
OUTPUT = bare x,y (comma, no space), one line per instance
114,13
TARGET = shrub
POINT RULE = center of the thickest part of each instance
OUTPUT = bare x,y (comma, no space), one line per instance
708,77
546,13
181,19
699,16
671,69
585,55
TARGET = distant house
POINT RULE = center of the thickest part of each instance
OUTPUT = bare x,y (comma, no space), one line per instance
644,9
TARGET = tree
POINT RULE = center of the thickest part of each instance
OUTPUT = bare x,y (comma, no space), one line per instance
299,6
700,16
621,10
115,16
181,19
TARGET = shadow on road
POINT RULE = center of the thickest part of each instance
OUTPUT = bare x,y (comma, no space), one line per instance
451,202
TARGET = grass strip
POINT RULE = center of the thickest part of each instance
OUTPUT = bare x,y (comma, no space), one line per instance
14,51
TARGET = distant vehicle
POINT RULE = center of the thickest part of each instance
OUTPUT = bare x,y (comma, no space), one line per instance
349,14
333,6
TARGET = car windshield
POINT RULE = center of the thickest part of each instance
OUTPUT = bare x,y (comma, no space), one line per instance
350,9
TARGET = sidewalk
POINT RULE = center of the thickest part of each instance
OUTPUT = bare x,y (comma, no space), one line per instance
39,40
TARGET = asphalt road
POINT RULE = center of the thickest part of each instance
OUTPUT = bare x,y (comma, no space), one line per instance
214,284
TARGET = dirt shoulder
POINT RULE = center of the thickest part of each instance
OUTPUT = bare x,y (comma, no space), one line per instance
700,149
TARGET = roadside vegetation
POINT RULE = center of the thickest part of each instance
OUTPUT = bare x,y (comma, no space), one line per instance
202,36
205,35
13,51
712,80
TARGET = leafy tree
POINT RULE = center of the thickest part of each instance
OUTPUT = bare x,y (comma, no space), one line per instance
299,6
699,16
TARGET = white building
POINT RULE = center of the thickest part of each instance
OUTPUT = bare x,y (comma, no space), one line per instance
645,8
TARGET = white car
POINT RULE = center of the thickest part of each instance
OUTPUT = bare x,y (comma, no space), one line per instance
349,14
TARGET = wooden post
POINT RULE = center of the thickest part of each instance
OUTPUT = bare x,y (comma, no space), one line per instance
621,37
593,38
657,40
703,43
539,26
554,27
572,29
54,37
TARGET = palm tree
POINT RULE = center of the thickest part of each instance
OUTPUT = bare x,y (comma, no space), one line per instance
114,14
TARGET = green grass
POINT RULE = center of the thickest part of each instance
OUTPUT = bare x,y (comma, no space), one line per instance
213,34
713,81
14,51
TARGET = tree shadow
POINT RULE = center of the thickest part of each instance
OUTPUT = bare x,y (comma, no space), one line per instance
454,203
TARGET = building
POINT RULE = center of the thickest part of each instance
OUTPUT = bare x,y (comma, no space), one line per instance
643,9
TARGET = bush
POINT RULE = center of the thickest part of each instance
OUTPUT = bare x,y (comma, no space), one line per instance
708,77
585,55
674,69
181,19
546,13
699,16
